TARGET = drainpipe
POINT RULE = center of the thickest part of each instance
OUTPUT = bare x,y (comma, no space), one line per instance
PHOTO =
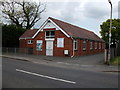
73,48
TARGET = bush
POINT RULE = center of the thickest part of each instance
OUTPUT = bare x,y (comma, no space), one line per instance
10,35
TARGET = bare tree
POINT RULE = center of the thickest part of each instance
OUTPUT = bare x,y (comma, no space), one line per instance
22,13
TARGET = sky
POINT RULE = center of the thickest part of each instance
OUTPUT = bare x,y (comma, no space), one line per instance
88,14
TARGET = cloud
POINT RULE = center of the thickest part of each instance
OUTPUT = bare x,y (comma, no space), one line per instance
86,14
119,9
69,11
95,10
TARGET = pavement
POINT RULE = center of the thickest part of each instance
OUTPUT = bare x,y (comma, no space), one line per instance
90,62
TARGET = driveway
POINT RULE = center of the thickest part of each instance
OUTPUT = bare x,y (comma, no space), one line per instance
96,59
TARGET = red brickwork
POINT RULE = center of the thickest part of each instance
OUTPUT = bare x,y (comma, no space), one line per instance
68,45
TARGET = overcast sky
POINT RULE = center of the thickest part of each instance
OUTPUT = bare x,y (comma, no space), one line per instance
88,14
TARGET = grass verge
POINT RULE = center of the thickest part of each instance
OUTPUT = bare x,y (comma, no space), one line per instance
115,61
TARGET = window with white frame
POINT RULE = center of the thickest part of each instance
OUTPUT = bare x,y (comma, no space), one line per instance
75,45
91,45
84,45
50,34
30,41
99,45
95,45
39,45
60,42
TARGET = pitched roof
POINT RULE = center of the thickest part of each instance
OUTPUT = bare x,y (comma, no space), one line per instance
29,33
75,31
71,30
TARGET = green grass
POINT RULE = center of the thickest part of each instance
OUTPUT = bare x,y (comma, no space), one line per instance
115,61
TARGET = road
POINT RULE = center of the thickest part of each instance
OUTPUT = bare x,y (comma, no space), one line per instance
24,74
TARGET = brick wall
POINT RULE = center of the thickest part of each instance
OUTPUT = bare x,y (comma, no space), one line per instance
56,51
81,52
68,45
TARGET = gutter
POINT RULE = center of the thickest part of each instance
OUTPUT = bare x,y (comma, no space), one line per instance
73,48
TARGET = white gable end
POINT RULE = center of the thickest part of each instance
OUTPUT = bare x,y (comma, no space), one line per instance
49,25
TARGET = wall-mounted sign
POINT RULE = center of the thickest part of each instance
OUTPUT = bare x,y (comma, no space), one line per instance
60,42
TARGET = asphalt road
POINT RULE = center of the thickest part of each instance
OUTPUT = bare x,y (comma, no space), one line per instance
23,74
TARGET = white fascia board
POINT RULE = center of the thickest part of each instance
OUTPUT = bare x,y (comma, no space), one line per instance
53,24
60,29
21,38
25,38
40,28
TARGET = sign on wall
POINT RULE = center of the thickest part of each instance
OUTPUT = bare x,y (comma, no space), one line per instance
60,42
39,45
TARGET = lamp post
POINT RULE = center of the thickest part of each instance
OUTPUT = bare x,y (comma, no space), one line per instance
109,52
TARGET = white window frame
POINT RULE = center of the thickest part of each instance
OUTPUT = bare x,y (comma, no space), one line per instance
75,44
91,45
84,45
50,36
40,46
30,41
95,45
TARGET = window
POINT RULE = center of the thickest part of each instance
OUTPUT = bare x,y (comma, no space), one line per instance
90,45
95,45
84,45
99,45
75,45
60,42
39,45
50,34
30,41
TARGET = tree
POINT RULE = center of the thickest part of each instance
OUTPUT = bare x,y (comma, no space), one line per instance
23,14
10,35
115,30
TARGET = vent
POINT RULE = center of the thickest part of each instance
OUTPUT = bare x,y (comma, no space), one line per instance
48,21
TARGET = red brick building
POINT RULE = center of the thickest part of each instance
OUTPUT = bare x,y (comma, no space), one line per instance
58,38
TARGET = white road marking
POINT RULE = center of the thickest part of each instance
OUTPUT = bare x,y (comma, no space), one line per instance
40,75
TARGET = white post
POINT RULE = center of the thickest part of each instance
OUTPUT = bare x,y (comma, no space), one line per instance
15,50
105,55
7,50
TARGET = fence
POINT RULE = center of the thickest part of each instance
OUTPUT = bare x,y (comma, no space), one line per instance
114,51
17,50
30,51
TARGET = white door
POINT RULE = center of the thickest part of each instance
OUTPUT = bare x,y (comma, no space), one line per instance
49,48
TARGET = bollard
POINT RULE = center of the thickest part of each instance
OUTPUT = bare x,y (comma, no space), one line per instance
105,55
7,50
15,50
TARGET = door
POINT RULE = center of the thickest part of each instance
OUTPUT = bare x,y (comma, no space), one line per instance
49,48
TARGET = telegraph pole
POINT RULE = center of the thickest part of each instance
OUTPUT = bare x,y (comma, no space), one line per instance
109,52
